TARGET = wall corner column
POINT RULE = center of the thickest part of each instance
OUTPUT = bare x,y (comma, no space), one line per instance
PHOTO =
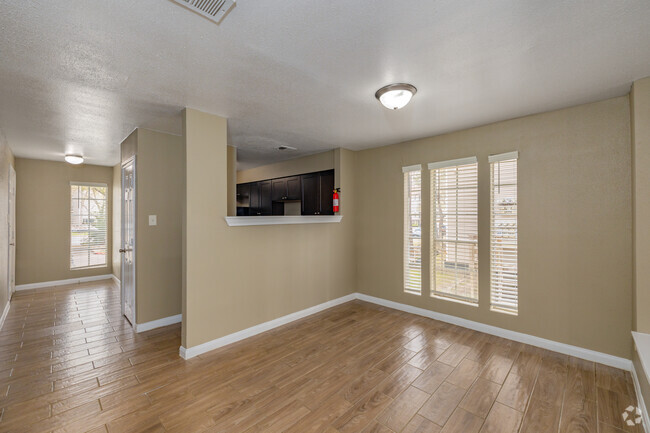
206,189
640,128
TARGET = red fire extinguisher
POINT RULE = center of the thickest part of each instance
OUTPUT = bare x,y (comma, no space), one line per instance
335,199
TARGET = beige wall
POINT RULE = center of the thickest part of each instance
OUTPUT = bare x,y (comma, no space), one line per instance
575,273
306,164
237,277
43,219
117,221
159,191
640,116
6,160
575,231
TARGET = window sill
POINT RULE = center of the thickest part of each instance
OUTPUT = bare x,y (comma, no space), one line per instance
234,221
413,293
87,268
504,311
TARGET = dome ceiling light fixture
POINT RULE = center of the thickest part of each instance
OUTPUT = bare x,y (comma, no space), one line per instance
396,96
74,159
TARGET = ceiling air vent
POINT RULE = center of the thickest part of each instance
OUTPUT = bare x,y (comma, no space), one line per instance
214,10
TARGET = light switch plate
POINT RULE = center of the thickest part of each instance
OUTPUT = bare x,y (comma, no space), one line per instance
153,220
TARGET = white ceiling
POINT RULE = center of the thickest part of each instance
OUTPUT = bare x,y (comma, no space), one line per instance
79,75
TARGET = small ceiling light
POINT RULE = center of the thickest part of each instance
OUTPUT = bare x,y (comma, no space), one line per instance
74,159
395,96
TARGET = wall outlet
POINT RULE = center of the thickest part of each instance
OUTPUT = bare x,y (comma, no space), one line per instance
153,220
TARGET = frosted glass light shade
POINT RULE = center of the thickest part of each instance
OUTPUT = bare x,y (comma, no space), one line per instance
395,96
74,159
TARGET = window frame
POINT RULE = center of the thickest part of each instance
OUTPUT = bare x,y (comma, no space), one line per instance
473,160
108,222
496,159
407,283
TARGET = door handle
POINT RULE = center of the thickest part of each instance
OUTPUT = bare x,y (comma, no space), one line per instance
123,250
12,245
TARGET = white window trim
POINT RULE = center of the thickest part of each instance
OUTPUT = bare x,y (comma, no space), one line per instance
434,166
507,156
108,216
503,156
98,184
453,162
405,170
408,168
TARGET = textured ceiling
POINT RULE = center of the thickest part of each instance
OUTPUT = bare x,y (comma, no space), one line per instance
79,75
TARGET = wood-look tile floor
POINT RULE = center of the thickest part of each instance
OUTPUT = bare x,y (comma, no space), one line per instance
70,362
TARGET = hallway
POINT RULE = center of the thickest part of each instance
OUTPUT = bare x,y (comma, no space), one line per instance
66,351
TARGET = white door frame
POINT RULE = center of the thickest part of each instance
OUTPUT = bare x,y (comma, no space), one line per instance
11,234
122,230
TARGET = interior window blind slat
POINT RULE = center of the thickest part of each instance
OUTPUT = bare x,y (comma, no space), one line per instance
413,229
504,290
88,225
454,234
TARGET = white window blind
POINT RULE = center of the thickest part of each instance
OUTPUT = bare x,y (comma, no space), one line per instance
88,225
503,233
454,234
413,229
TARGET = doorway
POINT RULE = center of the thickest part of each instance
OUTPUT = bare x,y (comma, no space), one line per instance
11,222
127,249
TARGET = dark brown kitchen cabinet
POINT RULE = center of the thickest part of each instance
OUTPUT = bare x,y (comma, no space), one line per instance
326,191
285,188
278,189
244,195
269,197
254,198
310,193
260,198
293,188
265,198
317,193
243,199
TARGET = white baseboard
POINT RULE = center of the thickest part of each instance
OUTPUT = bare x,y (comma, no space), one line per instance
4,314
567,349
116,281
639,398
62,282
165,321
187,353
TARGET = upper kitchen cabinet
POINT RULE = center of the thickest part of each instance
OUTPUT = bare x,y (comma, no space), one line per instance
317,191
244,194
306,194
260,198
285,188
327,190
310,193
